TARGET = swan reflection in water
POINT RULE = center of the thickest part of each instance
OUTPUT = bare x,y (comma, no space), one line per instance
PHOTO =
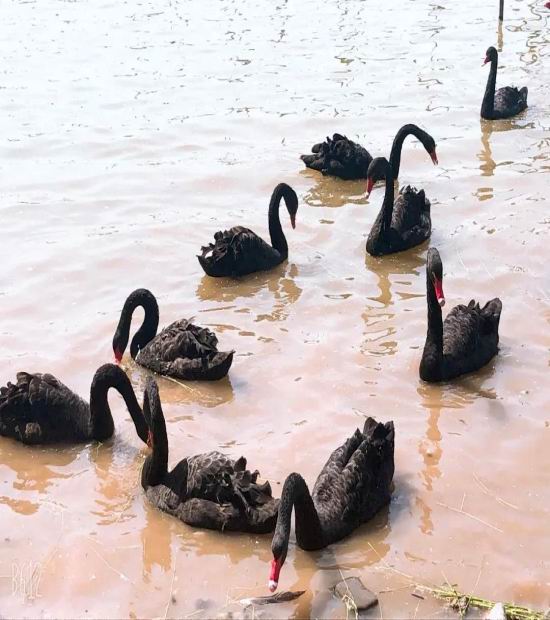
280,282
435,398
378,316
487,165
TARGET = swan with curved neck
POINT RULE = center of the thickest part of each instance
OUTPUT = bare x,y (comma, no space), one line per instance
353,486
400,224
40,409
181,350
468,338
505,102
410,130
240,251
207,490
341,157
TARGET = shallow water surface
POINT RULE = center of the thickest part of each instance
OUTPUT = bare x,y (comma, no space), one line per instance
130,133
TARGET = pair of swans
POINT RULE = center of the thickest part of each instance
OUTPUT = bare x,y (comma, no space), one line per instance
240,251
40,409
215,492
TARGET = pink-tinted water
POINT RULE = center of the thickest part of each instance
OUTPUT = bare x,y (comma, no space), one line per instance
130,133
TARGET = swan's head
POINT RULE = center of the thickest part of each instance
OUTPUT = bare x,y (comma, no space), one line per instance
379,168
279,548
276,565
429,145
291,201
119,344
434,268
490,55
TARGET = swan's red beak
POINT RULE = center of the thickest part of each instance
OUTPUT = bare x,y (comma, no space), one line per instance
486,60
293,220
274,575
438,287
149,439
118,355
370,185
547,5
433,155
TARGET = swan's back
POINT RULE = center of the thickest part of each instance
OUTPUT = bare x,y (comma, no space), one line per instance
510,101
40,409
186,351
470,337
411,209
411,224
214,491
339,156
356,480
236,252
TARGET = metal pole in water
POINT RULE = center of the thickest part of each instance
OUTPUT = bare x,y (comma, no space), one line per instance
501,10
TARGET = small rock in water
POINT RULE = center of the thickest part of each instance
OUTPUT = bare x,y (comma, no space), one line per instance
496,613
353,588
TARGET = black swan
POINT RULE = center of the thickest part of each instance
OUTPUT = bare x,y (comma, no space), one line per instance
207,490
239,251
39,409
351,488
348,160
505,102
402,224
468,338
181,350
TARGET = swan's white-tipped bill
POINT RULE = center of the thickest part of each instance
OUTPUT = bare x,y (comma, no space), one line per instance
441,301
293,220
370,185
487,59
272,585
433,155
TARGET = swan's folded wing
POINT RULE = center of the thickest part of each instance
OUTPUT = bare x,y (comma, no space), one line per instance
461,331
41,409
217,478
238,251
411,210
510,99
182,339
337,461
185,351
490,316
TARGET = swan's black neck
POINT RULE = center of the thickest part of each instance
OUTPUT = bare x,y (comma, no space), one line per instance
309,533
488,104
432,357
278,239
102,425
155,467
397,146
383,221
144,298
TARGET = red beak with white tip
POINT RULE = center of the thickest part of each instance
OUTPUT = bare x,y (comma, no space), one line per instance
438,287
274,575
433,155
370,185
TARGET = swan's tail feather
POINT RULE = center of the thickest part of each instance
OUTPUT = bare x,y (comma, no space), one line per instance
523,94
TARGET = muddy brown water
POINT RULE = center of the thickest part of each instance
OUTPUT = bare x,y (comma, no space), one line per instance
131,132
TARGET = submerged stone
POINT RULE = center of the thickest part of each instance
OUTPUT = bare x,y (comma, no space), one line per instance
352,588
